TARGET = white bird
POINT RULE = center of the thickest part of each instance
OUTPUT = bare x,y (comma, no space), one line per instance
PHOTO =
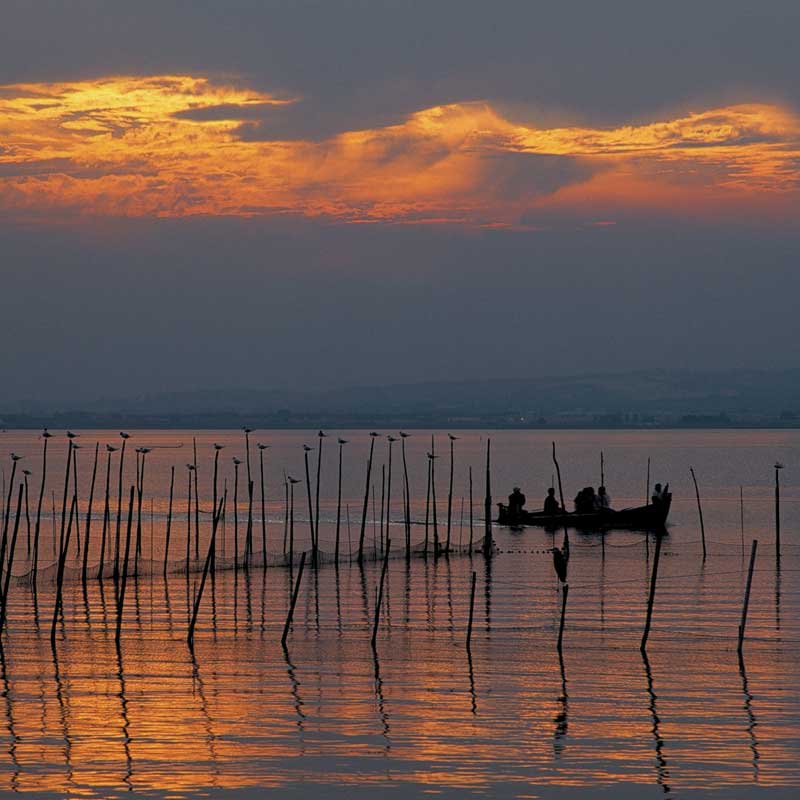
307,448
373,433
778,465
71,435
111,449
322,434
432,456
293,480
124,435
404,434
190,467
262,446
342,441
143,450
237,461
391,438
452,438
26,472
15,457
76,446
46,434
218,446
246,429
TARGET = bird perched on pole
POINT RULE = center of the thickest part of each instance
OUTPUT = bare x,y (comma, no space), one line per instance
46,434
110,449
71,435
218,446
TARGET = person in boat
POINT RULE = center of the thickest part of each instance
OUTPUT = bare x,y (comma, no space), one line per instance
516,502
603,499
586,501
551,505
658,495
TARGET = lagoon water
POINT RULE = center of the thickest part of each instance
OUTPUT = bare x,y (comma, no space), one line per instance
241,717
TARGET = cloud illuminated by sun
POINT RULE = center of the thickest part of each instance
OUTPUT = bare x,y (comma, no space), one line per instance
177,146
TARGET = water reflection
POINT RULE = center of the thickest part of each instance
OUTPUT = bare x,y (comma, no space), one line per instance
751,719
662,773
561,719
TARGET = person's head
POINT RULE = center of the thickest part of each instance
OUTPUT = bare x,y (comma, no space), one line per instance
516,490
601,490
551,491
658,487
590,490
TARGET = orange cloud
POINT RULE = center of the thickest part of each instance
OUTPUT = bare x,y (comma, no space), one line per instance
174,146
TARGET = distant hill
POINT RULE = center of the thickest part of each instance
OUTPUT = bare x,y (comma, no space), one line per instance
649,397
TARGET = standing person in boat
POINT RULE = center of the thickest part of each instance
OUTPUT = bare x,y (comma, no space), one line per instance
516,502
658,494
551,505
603,499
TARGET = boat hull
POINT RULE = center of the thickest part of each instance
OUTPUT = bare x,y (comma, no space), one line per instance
646,518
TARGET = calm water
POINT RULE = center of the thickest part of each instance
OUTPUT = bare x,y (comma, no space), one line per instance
327,718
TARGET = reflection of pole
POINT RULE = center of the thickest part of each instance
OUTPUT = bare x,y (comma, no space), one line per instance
124,581
294,599
564,594
778,467
700,512
380,593
487,506
652,595
471,608
747,595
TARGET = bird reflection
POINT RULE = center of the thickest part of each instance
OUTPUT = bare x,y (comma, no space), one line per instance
561,718
662,773
751,719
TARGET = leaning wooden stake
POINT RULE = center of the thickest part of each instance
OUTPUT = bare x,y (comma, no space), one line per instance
306,451
106,513
35,567
471,609
560,487
294,599
700,512
380,593
746,595
124,576
564,594
89,516
62,560
373,436
406,495
169,519
652,594
217,513
12,548
450,491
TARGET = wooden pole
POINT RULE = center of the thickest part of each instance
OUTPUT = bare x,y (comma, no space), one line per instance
75,448
700,512
746,602
433,499
471,521
778,467
564,594
320,436
217,513
602,470
647,486
196,502
62,559
124,437
560,487
428,506
261,449
450,491
471,609
11,550
373,435
392,440
741,516
342,443
124,579
306,451
294,599
89,516
37,528
380,593
64,499
27,514
487,505
407,497
651,596
169,518
189,519
235,514
383,499
106,513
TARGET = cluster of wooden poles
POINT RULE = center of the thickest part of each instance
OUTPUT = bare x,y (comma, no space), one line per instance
124,564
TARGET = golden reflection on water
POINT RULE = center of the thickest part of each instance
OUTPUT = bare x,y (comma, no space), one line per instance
421,714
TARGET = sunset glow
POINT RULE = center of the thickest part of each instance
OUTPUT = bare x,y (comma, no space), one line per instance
175,146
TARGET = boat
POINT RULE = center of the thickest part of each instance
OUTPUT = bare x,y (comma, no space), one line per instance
644,518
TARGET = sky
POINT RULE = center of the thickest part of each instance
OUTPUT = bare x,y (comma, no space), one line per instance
322,194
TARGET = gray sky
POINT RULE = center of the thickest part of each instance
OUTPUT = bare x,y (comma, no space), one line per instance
702,273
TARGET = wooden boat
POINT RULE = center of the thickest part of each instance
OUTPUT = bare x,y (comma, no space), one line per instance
646,518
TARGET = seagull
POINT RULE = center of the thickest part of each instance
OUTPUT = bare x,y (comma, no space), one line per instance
246,429
404,435
262,446
342,441
76,447
322,434
71,435
26,472
237,461
292,480
391,438
124,435
218,446
432,456
307,448
778,465
373,433
15,457
110,449
190,467
452,438
143,450
46,434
